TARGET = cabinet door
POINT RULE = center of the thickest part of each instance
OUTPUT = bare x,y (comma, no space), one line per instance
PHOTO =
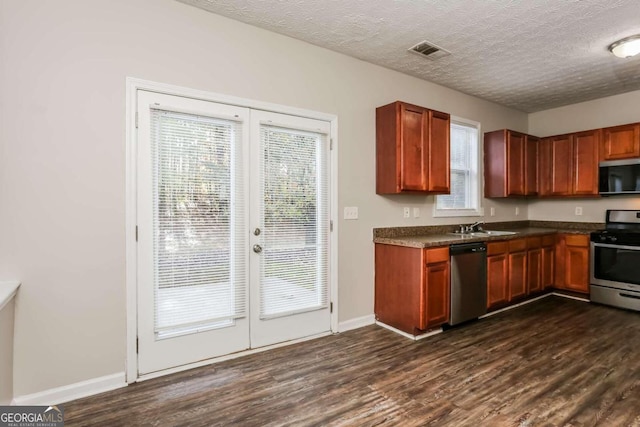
497,294
517,275
548,263
438,155
437,294
620,142
414,131
545,163
534,270
515,163
560,262
531,166
561,165
577,263
585,162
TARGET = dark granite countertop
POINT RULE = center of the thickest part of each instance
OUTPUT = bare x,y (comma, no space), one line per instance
431,236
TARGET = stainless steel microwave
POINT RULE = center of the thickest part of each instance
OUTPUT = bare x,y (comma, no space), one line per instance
619,177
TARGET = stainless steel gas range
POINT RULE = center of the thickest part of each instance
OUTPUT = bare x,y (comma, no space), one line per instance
615,261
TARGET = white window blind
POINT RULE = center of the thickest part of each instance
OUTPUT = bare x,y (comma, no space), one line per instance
200,276
294,179
464,170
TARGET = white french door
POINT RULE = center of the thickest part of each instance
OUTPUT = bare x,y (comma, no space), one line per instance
233,229
290,221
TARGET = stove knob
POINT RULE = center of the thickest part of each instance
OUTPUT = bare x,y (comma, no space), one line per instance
602,238
613,238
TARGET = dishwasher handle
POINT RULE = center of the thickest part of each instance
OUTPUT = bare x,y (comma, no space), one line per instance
465,248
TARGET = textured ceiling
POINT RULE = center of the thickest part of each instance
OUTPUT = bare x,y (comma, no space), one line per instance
531,55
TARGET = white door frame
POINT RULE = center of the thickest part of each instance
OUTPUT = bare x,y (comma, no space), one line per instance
132,86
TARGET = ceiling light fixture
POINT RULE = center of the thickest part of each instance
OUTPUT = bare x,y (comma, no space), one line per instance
626,47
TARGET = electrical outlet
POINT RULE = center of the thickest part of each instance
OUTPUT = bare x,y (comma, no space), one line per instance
416,212
351,212
517,211
492,212
578,210
407,212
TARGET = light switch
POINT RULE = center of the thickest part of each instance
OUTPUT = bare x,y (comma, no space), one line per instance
351,212
578,210
416,212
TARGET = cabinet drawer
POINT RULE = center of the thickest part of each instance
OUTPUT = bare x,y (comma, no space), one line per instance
517,245
549,240
437,255
577,240
494,248
534,242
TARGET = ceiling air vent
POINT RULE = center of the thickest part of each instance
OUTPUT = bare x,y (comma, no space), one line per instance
429,50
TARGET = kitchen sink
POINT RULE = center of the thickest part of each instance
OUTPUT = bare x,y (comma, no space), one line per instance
484,233
496,233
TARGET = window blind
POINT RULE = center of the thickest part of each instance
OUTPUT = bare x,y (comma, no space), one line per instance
200,276
294,178
462,145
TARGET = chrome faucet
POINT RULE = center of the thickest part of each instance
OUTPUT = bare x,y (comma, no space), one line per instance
474,227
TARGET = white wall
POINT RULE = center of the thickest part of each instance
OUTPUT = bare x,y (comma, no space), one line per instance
604,112
6,352
62,163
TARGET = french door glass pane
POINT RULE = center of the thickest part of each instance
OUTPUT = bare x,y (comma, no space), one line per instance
293,272
200,262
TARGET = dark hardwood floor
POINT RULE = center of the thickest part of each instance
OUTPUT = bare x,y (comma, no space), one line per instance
554,362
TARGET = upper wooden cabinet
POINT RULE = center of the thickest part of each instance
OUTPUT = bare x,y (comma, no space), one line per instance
569,164
620,142
412,149
531,172
585,163
510,164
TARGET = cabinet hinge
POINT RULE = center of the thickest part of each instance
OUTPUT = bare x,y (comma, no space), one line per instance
136,233
331,225
136,120
331,307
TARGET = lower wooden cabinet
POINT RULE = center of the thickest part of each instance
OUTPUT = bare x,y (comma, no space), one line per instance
517,269
497,274
534,264
412,285
437,277
572,262
506,272
412,291
547,275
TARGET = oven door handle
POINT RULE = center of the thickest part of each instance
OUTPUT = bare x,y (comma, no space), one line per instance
606,245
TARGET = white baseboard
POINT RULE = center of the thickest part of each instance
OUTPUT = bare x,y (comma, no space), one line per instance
571,297
70,392
511,307
411,337
358,322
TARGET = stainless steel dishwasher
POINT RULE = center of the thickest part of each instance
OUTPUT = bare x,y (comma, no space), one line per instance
468,281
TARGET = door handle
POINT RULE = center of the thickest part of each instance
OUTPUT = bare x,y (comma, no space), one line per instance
257,249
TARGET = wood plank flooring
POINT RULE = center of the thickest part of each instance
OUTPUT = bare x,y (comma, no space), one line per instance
554,362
